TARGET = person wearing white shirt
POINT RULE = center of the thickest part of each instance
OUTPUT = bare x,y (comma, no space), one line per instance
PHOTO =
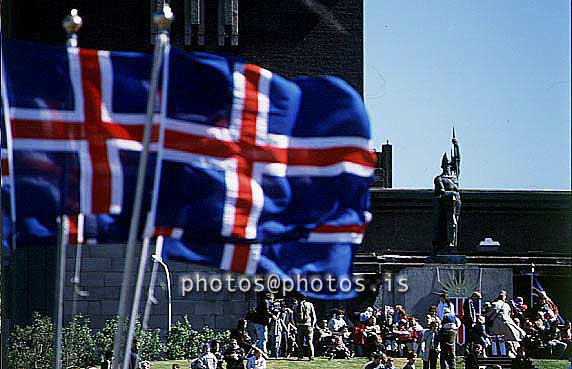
337,322
207,360
444,303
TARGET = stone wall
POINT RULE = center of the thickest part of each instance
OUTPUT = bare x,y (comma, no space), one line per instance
101,276
289,37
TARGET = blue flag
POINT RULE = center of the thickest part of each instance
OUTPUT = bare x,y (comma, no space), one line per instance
274,175
248,157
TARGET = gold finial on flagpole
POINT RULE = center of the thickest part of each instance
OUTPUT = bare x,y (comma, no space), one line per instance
72,24
163,18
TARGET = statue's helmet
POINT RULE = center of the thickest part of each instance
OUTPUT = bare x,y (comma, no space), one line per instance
445,162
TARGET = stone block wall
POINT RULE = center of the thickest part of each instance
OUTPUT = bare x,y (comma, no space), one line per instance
289,37
101,276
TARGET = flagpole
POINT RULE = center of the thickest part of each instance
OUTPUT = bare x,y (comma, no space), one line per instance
62,244
169,295
71,23
9,148
75,279
158,260
7,276
531,285
151,291
163,21
77,292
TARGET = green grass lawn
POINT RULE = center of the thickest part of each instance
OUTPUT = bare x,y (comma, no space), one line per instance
321,363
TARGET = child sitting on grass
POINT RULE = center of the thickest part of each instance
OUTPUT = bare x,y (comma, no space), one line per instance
338,349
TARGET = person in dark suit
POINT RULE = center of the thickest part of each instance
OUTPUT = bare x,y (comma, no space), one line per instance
470,315
133,357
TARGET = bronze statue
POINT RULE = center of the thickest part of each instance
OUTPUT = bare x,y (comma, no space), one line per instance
447,200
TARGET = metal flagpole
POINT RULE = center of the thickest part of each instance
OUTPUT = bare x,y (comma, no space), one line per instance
531,285
151,300
62,244
158,260
169,296
7,273
77,292
163,20
10,153
3,310
71,23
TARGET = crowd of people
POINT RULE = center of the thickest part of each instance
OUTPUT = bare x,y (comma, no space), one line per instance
290,328
504,328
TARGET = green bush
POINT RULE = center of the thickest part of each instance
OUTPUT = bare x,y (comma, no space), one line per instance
78,344
180,340
151,346
184,342
32,346
104,338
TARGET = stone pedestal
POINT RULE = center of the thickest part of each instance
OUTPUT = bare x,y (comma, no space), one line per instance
416,288
447,259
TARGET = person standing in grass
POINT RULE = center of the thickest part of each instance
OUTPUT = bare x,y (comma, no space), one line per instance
305,320
448,338
430,346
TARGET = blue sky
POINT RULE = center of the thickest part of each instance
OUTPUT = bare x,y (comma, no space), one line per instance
498,70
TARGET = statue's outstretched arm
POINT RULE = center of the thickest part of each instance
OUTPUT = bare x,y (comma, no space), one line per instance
456,157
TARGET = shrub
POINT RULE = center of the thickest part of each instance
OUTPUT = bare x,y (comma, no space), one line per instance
184,342
179,340
32,346
151,346
104,338
78,344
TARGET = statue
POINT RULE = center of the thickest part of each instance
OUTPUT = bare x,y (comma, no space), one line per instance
447,200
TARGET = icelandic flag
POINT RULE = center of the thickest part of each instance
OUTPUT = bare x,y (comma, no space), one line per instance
249,158
458,303
77,119
263,174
